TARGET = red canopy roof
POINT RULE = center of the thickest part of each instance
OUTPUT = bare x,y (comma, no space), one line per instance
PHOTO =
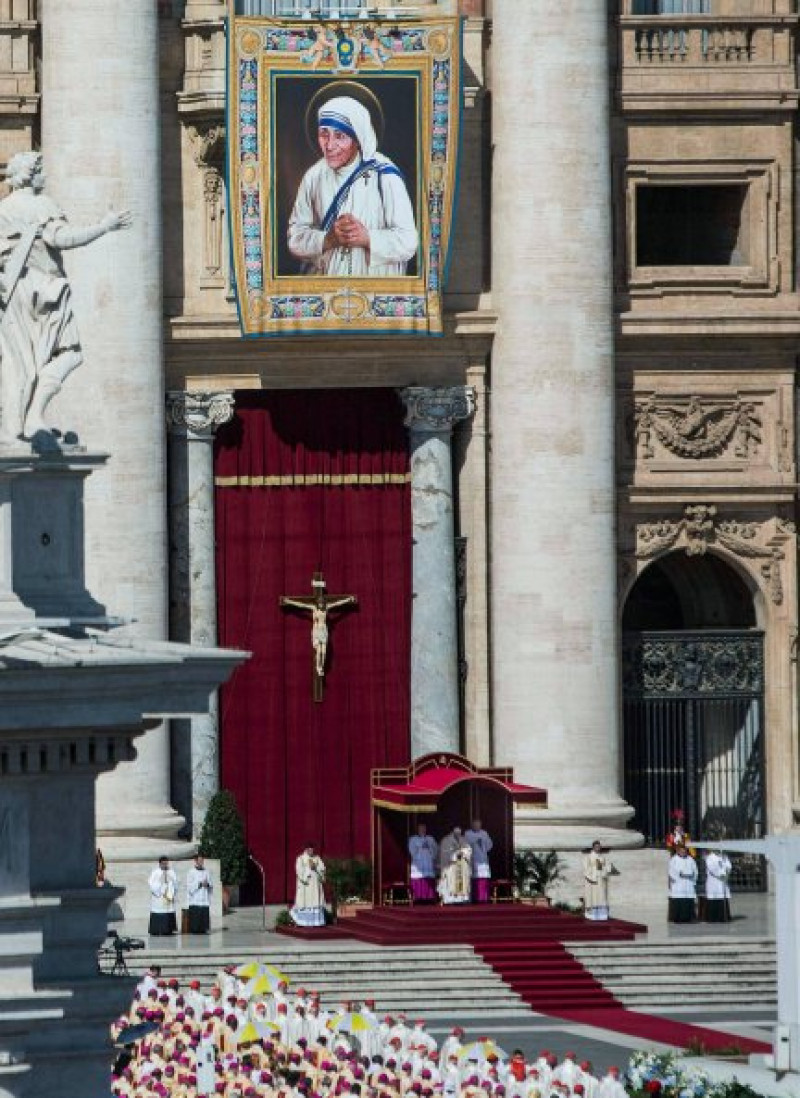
418,788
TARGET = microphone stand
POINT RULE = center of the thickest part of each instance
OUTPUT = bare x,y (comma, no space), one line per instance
263,876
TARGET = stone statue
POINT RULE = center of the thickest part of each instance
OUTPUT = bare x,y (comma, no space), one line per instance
39,341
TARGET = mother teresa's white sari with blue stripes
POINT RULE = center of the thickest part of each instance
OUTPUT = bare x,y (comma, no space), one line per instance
373,192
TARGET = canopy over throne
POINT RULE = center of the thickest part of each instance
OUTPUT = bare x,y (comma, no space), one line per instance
444,791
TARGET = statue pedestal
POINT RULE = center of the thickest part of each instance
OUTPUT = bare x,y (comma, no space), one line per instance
42,568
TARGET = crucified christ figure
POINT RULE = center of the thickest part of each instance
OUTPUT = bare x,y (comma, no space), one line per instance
319,606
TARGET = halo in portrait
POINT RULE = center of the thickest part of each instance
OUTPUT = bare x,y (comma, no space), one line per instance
356,91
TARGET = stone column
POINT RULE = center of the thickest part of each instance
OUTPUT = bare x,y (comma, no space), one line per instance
554,636
471,461
101,144
192,419
430,417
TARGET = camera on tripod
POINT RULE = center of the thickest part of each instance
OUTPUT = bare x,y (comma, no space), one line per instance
117,947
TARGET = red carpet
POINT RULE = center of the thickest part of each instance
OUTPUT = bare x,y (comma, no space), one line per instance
524,945
664,1030
471,925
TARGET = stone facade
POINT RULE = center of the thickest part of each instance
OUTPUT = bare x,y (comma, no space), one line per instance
604,339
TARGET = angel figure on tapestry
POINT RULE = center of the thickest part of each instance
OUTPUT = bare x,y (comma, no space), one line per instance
39,341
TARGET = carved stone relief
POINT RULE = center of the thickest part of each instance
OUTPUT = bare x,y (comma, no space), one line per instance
701,528
208,144
208,147
695,428
213,203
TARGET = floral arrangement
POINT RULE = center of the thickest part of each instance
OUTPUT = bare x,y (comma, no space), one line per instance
658,1073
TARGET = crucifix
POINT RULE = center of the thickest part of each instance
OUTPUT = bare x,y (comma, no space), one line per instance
319,604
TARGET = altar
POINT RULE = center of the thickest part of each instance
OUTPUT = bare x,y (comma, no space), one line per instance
443,790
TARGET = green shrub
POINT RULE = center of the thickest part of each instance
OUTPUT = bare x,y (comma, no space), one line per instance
222,837
535,873
348,879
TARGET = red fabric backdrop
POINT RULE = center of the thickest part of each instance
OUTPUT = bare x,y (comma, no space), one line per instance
300,771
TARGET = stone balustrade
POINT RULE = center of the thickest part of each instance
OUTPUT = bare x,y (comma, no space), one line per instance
723,58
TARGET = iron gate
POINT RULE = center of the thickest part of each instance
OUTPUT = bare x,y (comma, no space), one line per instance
694,739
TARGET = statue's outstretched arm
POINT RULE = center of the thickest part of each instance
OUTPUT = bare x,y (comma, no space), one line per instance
63,236
345,601
292,602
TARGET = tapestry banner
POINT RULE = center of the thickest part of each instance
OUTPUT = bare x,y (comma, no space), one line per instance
343,139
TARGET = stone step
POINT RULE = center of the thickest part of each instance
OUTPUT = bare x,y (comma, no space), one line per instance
440,983
707,973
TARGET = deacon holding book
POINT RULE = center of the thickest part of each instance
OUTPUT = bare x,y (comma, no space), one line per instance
309,903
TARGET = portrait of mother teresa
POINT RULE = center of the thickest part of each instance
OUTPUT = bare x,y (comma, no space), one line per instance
352,215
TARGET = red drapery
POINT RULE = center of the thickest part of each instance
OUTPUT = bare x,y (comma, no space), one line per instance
306,482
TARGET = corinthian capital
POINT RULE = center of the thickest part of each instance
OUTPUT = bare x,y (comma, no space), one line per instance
437,410
197,415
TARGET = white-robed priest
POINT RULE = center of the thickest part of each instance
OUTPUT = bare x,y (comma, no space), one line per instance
163,884
198,897
309,902
597,868
352,216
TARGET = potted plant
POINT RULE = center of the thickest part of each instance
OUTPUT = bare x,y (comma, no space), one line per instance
222,837
535,873
349,882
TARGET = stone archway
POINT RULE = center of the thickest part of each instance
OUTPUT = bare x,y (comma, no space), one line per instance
693,702
677,591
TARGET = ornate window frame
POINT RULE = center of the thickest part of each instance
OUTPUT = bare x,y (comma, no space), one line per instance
760,276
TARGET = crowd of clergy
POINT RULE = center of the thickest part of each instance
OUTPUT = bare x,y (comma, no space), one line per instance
248,1036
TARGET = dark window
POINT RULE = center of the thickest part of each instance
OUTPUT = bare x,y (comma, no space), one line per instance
697,225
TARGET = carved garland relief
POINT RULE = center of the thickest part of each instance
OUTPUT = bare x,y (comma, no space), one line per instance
697,428
700,529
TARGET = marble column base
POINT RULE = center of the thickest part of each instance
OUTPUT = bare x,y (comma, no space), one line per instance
574,829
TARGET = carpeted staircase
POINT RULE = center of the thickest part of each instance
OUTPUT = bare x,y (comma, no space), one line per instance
546,975
525,946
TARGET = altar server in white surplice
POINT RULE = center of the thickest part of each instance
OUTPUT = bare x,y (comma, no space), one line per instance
352,215
481,845
163,888
424,851
718,891
198,897
682,886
